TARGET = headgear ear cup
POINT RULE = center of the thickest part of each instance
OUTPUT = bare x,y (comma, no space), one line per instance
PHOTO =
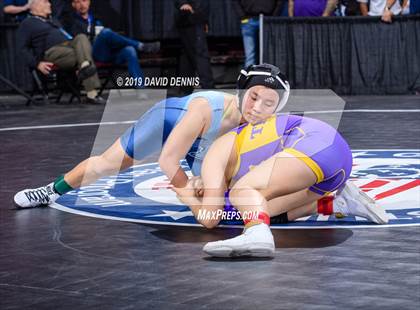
240,83
284,99
266,75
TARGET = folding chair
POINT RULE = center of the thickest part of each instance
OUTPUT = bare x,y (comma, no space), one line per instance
64,81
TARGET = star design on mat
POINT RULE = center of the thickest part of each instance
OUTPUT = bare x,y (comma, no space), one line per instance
175,215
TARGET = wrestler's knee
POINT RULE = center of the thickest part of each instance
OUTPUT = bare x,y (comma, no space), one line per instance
241,195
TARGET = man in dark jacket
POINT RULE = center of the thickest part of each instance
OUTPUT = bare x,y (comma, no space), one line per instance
108,46
249,11
44,43
192,17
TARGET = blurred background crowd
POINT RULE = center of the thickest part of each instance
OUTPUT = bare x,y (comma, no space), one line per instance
351,46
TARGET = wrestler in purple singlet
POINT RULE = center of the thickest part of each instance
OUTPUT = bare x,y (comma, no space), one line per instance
318,144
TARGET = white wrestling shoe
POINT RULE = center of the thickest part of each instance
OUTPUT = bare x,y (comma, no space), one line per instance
256,241
351,200
37,197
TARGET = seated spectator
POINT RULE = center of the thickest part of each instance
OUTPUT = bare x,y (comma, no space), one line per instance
61,9
384,8
108,46
17,10
312,7
44,43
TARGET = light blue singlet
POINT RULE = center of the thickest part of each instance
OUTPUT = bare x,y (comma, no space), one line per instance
149,133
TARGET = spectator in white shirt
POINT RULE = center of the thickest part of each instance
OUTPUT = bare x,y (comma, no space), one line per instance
384,8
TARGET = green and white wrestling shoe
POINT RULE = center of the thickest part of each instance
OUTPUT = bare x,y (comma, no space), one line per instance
37,197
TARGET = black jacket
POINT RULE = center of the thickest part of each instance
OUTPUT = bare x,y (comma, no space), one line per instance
35,36
252,8
201,13
75,24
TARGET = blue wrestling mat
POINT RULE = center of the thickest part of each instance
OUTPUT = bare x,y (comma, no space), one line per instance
141,194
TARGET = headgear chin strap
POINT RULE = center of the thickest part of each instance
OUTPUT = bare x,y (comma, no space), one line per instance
267,75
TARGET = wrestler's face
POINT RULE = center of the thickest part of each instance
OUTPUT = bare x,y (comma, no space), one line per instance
81,6
259,103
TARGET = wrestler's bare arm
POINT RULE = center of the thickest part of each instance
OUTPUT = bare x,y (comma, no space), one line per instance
182,138
218,161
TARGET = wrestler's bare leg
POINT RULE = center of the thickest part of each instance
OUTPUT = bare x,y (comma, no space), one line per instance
110,162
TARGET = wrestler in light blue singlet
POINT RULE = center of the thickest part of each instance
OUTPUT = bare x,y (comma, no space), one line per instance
147,136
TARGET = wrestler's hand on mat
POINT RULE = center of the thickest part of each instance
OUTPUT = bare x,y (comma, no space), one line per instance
194,187
197,184
187,194
184,195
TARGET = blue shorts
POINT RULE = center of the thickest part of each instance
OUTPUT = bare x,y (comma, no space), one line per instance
147,136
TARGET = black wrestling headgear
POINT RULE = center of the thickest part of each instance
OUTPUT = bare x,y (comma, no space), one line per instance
267,75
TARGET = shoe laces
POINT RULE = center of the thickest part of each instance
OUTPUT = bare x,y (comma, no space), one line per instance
41,195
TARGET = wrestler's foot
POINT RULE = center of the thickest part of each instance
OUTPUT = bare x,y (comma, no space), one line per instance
37,197
256,241
351,200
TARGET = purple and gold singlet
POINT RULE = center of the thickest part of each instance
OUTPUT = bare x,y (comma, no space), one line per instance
314,142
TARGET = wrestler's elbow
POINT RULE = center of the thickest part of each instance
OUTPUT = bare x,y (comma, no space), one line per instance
167,164
162,161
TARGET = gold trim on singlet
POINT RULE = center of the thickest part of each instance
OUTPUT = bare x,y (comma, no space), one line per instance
330,177
308,161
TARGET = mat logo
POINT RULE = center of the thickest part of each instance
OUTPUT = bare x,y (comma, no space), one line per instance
390,171
142,194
